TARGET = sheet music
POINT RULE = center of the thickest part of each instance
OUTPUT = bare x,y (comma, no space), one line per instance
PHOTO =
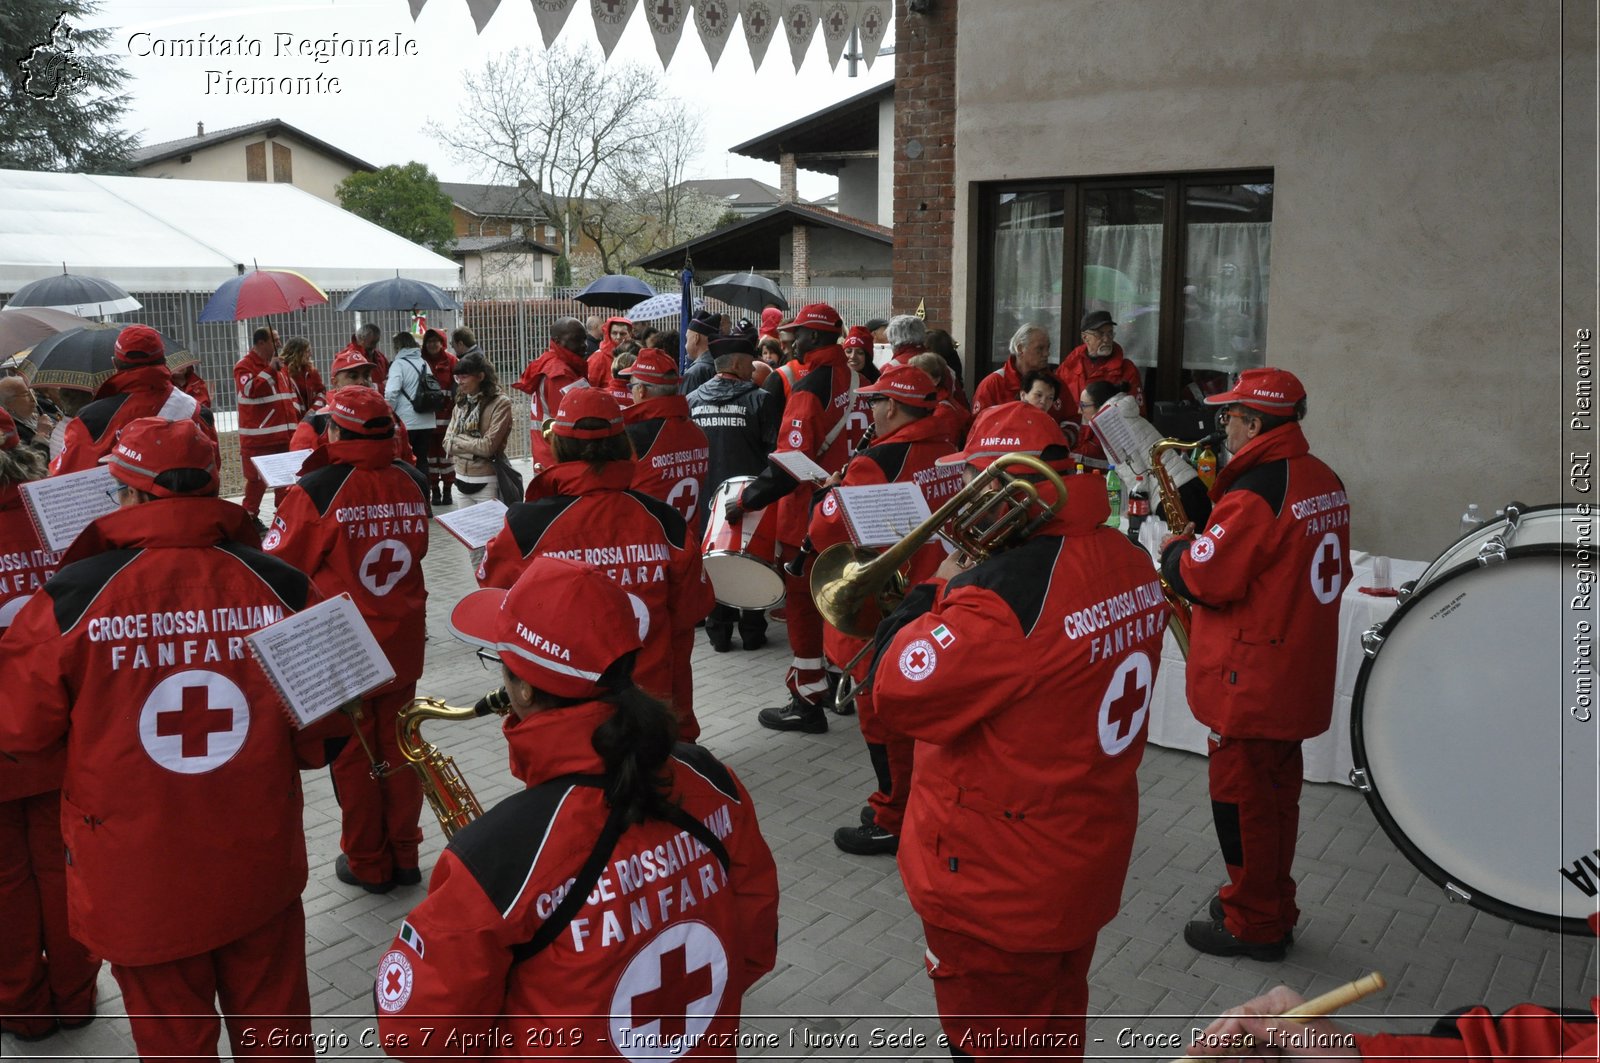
879,515
320,658
475,525
62,506
798,465
280,470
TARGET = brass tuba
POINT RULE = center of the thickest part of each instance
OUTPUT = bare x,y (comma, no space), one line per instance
1173,513
448,794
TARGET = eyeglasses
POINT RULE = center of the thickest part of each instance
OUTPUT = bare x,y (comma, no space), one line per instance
117,493
1224,416
488,659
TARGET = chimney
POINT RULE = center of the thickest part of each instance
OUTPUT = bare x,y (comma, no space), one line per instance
787,178
199,129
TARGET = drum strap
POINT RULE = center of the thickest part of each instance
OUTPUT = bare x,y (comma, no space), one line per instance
844,418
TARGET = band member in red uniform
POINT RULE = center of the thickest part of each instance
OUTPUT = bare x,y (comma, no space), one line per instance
670,450
359,525
587,509
1026,681
1266,579
181,801
441,469
597,369
548,377
141,386
626,896
46,978
1098,357
817,423
268,413
350,369
907,441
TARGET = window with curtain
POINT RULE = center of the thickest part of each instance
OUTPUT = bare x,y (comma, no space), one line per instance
1025,251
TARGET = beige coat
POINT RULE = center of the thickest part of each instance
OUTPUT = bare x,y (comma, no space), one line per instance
476,436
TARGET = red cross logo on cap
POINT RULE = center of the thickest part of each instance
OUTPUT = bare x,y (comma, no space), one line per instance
1125,703
669,993
395,979
384,566
194,722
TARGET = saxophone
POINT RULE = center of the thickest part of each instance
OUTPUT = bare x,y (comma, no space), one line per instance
1173,513
448,794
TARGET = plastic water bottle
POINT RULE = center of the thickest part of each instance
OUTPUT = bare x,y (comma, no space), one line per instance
1472,519
1114,496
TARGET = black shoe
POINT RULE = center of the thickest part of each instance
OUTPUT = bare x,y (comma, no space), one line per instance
407,876
446,500
752,640
866,841
1213,938
868,816
1214,910
342,872
795,716
721,638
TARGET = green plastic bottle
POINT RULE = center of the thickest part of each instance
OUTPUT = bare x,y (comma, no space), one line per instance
1114,496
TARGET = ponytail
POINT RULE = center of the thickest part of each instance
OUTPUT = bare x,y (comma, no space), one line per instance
635,744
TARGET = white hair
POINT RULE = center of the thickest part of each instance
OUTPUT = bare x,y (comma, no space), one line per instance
1019,338
907,328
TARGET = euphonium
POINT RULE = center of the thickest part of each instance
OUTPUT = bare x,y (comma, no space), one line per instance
1173,513
448,794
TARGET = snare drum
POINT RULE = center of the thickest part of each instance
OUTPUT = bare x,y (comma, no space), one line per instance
741,560
1466,744
1520,526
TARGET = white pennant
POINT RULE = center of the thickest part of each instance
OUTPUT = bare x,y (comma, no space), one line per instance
666,18
552,15
799,25
838,19
760,18
416,8
610,19
482,11
714,20
873,20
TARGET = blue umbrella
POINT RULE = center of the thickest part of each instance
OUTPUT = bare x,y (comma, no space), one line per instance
615,290
400,293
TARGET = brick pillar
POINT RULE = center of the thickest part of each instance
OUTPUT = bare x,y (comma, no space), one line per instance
788,188
924,158
800,262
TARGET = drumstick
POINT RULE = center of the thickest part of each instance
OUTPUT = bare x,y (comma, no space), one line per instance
1315,1008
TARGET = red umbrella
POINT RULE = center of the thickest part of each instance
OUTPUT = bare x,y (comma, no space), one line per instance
259,293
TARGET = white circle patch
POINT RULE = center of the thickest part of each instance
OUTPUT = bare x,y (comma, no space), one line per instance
384,566
394,981
1125,703
641,613
194,722
1202,549
270,543
830,505
1327,569
669,993
9,611
796,439
683,497
918,660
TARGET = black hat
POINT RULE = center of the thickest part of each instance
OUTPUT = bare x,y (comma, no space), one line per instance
1095,320
706,323
732,345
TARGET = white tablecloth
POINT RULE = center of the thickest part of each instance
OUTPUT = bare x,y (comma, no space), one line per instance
1327,757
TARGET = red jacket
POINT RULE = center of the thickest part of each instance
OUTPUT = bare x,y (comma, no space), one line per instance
182,820
1078,371
129,394
1005,385
308,388
816,410
1027,686
641,543
360,526
268,407
597,370
194,385
1525,1032
666,945
312,432
671,455
444,371
25,564
545,380
1266,578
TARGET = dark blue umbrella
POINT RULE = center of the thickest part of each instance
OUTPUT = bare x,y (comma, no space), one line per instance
400,293
615,290
72,294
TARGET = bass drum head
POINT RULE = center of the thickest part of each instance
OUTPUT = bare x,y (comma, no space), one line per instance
742,582
1538,524
1474,766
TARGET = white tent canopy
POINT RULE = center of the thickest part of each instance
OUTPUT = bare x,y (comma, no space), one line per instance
156,235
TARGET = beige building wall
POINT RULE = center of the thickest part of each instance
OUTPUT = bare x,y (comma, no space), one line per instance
310,169
1417,232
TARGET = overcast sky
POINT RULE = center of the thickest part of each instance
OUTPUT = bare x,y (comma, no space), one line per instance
385,103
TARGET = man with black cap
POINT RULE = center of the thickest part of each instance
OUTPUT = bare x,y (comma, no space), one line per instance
181,805
1098,357
1267,577
359,526
740,421
141,386
702,329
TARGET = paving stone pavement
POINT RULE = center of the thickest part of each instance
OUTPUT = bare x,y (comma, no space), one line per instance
849,975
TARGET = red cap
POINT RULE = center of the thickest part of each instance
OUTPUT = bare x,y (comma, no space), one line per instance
771,318
359,409
1275,391
351,358
138,345
560,626
904,383
859,336
581,403
9,436
1005,429
819,316
149,446
654,367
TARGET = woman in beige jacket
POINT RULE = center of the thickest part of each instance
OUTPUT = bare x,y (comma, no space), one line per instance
478,430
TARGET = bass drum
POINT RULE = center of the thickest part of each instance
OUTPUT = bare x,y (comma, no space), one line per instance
741,560
1465,747
1520,526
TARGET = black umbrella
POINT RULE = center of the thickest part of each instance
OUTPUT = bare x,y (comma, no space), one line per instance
84,296
400,293
80,358
750,291
616,290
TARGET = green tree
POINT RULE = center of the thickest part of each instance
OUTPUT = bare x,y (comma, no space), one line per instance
563,277
61,95
406,200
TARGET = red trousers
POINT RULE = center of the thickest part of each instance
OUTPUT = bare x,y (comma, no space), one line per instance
892,753
380,816
683,686
995,1004
807,679
44,974
254,486
1255,802
258,979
